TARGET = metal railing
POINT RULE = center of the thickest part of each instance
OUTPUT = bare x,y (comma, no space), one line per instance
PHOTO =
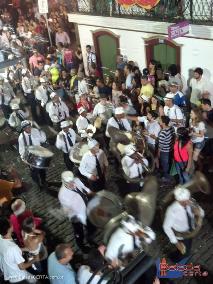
196,11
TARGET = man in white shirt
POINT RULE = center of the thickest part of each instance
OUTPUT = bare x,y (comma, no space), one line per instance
12,263
82,121
180,218
118,121
58,110
173,112
73,197
125,239
32,137
198,86
41,98
82,84
91,58
65,141
133,165
6,94
16,117
93,166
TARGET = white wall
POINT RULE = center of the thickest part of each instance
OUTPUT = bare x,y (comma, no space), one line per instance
194,52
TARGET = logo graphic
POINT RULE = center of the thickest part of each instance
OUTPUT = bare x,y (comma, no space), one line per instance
178,270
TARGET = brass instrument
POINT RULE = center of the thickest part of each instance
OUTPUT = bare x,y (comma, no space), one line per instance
198,183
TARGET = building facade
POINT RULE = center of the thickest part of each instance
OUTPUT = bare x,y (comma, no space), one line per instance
141,35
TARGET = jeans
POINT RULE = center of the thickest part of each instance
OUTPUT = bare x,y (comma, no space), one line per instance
183,176
165,162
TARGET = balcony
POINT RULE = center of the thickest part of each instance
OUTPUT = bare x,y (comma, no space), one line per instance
195,11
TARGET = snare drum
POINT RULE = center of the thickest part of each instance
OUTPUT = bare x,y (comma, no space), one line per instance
103,207
38,157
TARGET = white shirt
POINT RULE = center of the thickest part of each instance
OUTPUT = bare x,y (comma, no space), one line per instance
91,58
58,112
84,275
26,85
14,121
8,93
81,124
98,109
37,137
41,95
153,128
82,87
62,141
176,218
113,122
198,88
174,112
10,258
129,81
72,203
199,127
130,168
88,163
122,239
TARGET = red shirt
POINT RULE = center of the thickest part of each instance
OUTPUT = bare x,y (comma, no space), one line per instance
86,105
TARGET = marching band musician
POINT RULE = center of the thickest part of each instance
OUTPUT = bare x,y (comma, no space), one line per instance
126,238
58,110
73,197
17,116
82,121
32,137
133,166
93,166
6,94
180,218
65,140
118,121
41,96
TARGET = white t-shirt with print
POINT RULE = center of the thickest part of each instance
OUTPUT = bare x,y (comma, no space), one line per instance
199,127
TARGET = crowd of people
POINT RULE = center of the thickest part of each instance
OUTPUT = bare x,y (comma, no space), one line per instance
142,118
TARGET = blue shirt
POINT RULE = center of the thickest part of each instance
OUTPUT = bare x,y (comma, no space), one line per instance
59,273
179,100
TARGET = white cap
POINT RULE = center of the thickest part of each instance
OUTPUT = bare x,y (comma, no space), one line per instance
92,128
145,98
24,71
169,96
130,149
42,80
11,56
182,194
81,110
130,225
13,36
14,106
25,123
52,95
92,143
119,110
18,207
65,123
5,28
67,176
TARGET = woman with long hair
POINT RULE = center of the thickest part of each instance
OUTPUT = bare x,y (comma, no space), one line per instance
183,151
197,132
116,93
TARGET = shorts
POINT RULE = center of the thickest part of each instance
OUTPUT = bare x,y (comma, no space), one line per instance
199,145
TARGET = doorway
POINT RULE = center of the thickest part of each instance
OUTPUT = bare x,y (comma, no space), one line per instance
164,51
107,50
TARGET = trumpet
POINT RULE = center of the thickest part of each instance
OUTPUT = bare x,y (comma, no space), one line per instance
138,157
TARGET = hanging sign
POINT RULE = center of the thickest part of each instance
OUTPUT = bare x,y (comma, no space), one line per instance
146,4
43,6
178,30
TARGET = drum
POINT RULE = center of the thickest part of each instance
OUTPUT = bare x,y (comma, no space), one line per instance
38,157
103,207
77,152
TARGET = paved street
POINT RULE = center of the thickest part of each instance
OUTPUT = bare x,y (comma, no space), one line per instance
46,205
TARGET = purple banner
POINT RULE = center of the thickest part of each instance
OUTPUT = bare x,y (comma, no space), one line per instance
178,30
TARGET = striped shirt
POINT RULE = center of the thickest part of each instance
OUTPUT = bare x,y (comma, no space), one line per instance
166,139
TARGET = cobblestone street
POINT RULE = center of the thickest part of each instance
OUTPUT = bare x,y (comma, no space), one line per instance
45,204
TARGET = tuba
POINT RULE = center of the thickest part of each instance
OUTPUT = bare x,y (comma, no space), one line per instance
199,183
